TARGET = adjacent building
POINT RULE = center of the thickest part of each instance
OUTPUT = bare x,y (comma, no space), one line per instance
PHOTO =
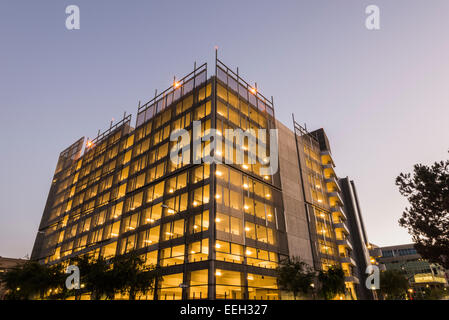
218,230
420,272
7,264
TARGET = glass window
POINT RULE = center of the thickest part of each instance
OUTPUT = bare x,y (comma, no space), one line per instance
172,256
198,284
170,289
250,231
149,237
262,287
228,284
199,251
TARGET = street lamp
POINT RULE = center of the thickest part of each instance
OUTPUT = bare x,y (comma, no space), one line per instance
312,285
168,208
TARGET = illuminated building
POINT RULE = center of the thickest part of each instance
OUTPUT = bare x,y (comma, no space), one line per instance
217,230
420,273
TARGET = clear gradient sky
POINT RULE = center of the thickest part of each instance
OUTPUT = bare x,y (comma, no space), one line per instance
382,96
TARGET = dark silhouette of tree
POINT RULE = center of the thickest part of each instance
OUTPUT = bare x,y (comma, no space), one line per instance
433,294
96,276
295,276
32,280
132,277
427,218
393,285
332,282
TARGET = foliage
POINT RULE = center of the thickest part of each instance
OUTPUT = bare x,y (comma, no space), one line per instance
32,280
96,276
393,285
427,218
295,276
431,294
332,282
131,277
126,274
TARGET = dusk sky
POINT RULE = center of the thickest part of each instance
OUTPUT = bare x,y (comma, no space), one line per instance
382,96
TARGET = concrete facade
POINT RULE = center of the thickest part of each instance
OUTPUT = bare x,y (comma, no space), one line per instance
297,225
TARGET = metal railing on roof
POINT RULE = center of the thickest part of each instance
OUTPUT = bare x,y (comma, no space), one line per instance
178,89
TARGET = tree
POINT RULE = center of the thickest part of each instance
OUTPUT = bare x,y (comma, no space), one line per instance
393,285
32,280
427,218
132,277
295,276
96,276
332,282
434,294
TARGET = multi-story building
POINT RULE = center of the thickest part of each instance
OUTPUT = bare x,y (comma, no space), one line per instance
363,250
316,222
217,229
420,272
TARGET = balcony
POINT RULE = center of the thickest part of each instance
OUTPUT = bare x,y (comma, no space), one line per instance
332,184
344,242
341,226
328,165
338,210
326,157
328,170
331,179
352,279
335,194
346,259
